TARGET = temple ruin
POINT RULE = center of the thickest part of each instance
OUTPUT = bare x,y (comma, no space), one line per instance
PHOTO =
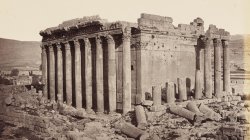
103,66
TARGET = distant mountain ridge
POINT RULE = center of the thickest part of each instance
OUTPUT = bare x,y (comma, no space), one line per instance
14,53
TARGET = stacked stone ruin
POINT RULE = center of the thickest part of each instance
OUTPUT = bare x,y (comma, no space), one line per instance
108,66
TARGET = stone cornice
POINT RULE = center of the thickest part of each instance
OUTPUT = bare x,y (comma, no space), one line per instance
213,32
81,36
83,26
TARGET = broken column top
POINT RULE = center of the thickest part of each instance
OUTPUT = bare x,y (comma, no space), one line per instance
214,32
87,21
165,24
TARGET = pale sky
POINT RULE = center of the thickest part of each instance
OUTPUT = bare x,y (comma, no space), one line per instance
23,19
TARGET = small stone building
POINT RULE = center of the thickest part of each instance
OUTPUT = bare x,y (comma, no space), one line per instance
94,64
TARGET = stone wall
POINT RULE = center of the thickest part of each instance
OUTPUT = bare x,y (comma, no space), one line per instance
166,58
167,52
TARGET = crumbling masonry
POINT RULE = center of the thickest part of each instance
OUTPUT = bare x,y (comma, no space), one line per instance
94,64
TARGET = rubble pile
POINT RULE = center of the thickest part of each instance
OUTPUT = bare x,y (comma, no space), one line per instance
227,117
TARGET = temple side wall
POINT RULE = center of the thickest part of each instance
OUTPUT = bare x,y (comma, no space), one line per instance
166,58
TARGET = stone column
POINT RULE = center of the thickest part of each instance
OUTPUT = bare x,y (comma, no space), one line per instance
59,73
126,70
99,75
226,67
182,91
44,72
207,68
111,74
68,76
156,91
52,73
217,68
170,92
88,74
78,75
198,85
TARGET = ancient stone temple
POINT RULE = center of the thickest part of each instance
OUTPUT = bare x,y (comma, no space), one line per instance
94,64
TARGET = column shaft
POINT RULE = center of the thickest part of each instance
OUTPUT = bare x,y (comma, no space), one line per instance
44,72
226,67
207,69
182,90
78,75
88,74
52,72
198,85
217,68
99,75
59,73
126,71
68,76
156,91
111,74
170,92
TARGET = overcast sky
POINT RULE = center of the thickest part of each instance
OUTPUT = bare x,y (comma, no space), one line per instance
23,19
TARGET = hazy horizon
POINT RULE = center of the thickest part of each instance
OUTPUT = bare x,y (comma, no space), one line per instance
23,20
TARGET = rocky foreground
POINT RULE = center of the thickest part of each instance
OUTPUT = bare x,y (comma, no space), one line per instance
25,114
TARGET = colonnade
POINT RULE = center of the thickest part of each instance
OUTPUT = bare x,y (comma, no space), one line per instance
219,67
63,69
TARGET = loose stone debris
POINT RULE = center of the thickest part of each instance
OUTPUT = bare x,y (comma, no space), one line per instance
192,119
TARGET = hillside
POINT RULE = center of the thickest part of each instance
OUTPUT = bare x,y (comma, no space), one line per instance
240,52
14,53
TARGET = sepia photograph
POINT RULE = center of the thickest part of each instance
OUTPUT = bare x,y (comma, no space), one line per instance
124,70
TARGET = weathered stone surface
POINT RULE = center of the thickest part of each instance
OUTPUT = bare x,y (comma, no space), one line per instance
111,73
226,67
140,117
193,107
130,130
78,75
126,70
88,74
158,108
183,112
156,91
59,73
52,73
182,91
99,75
68,76
209,113
217,68
207,67
44,70
147,103
198,86
170,92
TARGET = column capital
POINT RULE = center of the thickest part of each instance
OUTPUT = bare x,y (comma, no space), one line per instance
225,43
51,48
86,41
43,47
205,41
110,39
126,34
98,39
66,45
58,46
216,42
76,43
